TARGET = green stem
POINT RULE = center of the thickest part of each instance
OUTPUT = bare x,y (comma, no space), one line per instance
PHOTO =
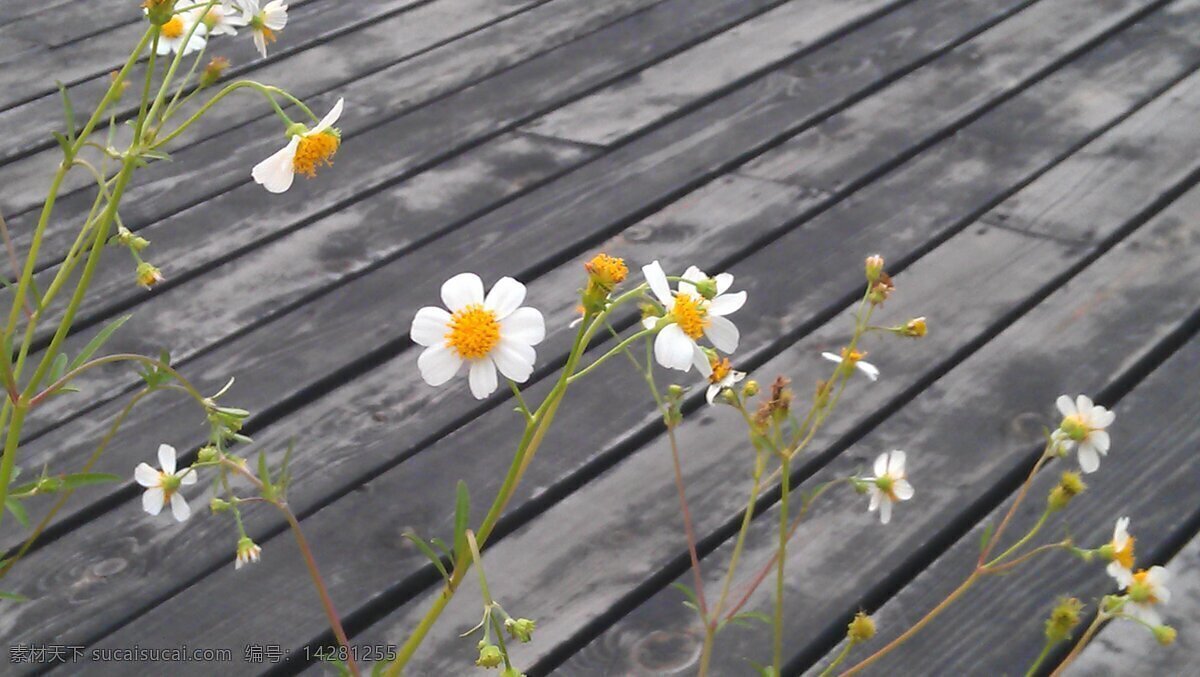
785,483
620,347
227,90
1041,658
1024,539
838,661
1100,619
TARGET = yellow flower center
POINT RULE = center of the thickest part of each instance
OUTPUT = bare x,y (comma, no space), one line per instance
314,151
173,28
852,357
609,271
474,332
691,316
1075,427
1124,556
1140,590
720,369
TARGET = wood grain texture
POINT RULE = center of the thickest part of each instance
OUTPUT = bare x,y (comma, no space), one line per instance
996,628
1122,650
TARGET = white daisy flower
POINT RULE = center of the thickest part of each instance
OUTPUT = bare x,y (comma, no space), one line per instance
248,552
220,20
173,35
1147,590
489,333
1121,566
693,316
889,485
163,485
855,358
723,376
264,22
303,154
1083,426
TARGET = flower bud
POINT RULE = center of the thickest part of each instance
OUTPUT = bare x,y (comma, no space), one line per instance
213,71
750,389
915,328
148,275
520,628
874,268
881,290
604,273
1140,591
1068,487
159,12
127,238
1063,619
1107,552
861,629
674,391
248,552
218,505
707,288
1165,634
490,656
207,454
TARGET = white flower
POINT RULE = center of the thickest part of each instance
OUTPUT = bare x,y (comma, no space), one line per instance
305,152
693,316
173,35
1121,566
219,20
264,22
1147,590
723,376
248,552
163,485
489,333
855,358
1083,425
889,485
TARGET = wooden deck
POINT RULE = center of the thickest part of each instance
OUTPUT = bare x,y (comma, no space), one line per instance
1029,168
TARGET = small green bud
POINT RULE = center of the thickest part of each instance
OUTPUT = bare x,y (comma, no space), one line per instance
490,657
861,629
750,389
520,628
512,672
1140,591
675,391
218,505
207,454
1165,634
707,288
1107,552
1068,487
874,267
1063,619
296,129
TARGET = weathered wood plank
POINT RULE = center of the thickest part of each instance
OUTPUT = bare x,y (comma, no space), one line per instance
630,516
51,26
644,98
1121,650
996,628
437,466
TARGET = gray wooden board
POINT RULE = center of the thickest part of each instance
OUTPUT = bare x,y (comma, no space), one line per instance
77,61
614,178
330,44
642,510
1150,475
1123,651
47,25
435,467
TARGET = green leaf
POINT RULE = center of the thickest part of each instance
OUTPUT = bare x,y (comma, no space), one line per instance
986,536
68,110
13,596
83,479
428,552
63,143
462,515
98,341
14,506
689,593
443,548
58,367
264,473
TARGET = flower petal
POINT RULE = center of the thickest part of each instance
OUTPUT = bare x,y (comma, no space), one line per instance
832,357
438,364
673,349
692,274
505,297
903,489
724,282
180,508
462,290
876,499
166,458
1083,404
187,477
1089,460
711,393
885,511
482,378
1102,418
277,172
1100,440
869,369
723,334
700,360
727,304
514,359
881,465
525,325
1066,407
896,463
146,476
657,280
330,118
152,500
430,326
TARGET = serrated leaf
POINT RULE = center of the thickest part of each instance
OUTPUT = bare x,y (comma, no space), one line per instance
98,341
83,479
68,111
428,552
462,515
14,506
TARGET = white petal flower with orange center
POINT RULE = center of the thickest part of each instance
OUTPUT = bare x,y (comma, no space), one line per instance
162,486
1121,566
854,357
889,485
488,333
304,153
173,35
1083,426
264,22
219,20
693,316
723,376
1147,590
